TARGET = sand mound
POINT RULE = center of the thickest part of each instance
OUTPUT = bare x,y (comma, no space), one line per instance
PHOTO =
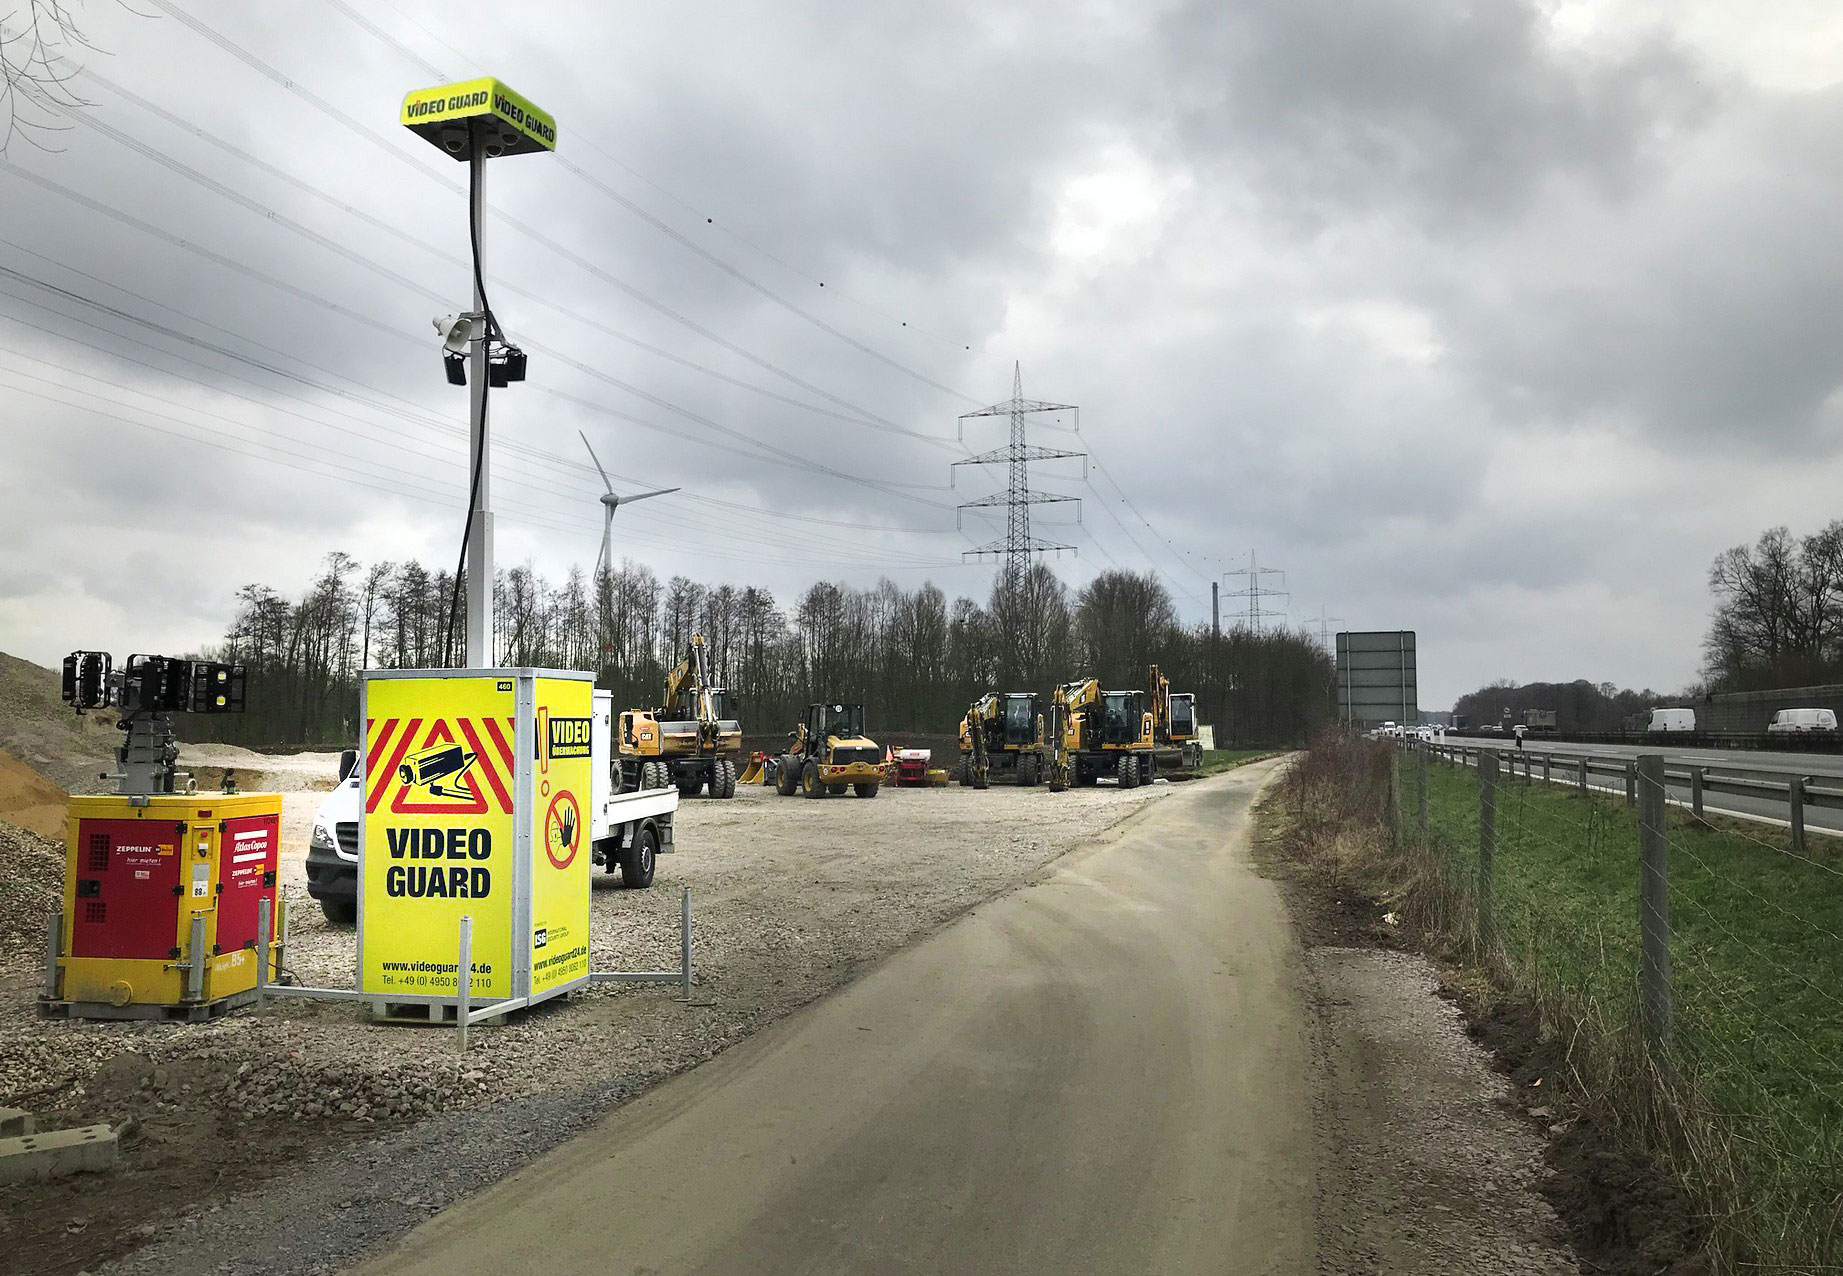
28,799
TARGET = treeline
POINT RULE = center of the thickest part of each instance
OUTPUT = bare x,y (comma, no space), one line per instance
1778,618
914,657
1578,706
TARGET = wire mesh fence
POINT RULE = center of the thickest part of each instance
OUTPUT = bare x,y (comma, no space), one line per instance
1722,1043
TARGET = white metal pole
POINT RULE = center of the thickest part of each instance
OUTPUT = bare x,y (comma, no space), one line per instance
479,443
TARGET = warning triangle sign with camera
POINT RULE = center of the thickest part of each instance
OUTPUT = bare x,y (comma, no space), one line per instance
439,766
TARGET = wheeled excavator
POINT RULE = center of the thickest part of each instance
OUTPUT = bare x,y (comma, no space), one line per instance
689,740
1175,741
1105,733
1009,731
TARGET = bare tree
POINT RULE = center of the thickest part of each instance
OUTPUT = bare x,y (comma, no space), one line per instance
35,76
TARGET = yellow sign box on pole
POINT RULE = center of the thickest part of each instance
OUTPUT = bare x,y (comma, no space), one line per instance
476,804
449,115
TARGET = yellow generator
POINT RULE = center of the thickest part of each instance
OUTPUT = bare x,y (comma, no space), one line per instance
162,896
164,891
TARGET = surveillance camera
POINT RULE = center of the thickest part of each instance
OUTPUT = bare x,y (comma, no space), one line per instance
456,332
454,140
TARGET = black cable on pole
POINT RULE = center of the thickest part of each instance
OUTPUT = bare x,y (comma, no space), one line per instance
491,327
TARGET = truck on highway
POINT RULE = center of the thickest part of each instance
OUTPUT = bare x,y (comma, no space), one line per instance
1672,720
632,828
1539,719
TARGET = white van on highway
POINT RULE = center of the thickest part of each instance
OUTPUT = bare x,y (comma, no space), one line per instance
1672,720
1797,720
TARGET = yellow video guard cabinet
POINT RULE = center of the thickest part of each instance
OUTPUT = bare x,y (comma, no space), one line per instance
476,803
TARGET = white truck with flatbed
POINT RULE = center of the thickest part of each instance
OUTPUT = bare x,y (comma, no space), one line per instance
631,829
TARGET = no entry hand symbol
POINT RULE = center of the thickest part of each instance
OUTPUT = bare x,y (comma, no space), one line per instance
562,829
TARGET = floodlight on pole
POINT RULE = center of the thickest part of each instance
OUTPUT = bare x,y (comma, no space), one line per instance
611,501
478,120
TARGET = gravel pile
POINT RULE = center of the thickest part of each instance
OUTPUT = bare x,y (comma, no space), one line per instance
31,882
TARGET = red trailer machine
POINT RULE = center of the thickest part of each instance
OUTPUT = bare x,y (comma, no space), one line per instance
164,891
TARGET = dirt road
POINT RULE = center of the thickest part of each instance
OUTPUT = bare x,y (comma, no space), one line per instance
1105,1071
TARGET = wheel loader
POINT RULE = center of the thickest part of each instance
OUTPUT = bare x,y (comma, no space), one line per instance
829,753
1011,731
688,741
1105,733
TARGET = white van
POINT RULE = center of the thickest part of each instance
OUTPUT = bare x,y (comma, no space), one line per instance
1794,720
1672,720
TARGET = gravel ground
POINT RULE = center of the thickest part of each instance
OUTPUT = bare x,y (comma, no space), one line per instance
1424,1169
792,898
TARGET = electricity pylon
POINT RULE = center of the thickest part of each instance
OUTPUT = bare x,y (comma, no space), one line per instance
1018,544
1254,593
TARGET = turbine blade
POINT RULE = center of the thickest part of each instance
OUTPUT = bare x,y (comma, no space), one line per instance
641,496
598,463
601,561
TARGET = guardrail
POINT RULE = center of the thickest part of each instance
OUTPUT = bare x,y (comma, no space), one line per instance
1746,741
1797,792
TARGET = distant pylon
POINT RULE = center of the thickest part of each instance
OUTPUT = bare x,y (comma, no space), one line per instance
1254,593
1018,544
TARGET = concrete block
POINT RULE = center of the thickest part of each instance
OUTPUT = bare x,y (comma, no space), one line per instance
14,1123
57,1153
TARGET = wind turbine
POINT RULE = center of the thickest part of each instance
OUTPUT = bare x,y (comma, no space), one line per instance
611,502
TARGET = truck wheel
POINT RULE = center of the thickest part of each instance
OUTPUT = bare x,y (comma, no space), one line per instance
867,790
650,777
810,783
689,785
787,776
1148,768
340,912
1027,770
638,860
966,771
723,783
1127,768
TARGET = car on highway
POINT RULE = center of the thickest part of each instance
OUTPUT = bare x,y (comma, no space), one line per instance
1672,720
1798,721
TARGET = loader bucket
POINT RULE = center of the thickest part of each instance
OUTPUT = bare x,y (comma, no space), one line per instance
754,774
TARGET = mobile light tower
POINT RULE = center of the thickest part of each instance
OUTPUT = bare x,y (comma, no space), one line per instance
478,120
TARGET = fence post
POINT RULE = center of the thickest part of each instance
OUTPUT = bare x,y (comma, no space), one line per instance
263,951
1487,844
1631,783
1796,792
1653,903
684,941
1583,777
1420,784
1695,789
464,982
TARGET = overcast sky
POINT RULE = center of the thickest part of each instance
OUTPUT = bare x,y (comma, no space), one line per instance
1496,321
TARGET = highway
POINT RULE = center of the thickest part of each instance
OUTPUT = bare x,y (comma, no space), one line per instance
1825,768
1108,1071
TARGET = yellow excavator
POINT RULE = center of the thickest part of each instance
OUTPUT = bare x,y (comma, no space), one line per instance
828,753
1008,730
688,741
1105,733
1175,741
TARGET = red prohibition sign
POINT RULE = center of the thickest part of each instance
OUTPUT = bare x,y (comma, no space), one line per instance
562,829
